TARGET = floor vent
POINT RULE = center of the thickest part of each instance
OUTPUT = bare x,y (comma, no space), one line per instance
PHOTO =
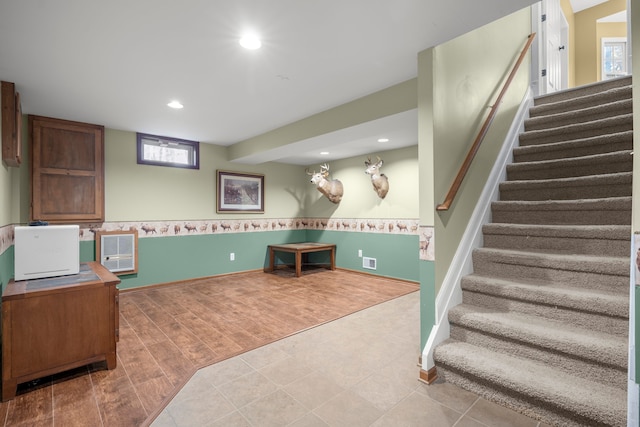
369,263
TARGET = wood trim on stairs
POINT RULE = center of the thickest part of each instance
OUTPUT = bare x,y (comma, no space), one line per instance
428,376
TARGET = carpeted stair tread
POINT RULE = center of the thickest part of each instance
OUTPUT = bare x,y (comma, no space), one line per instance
592,402
566,238
610,274
586,146
595,308
616,93
620,161
582,115
534,331
598,264
584,90
550,293
582,187
544,321
603,203
618,232
610,210
577,131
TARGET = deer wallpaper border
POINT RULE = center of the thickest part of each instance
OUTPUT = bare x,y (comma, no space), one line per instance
152,229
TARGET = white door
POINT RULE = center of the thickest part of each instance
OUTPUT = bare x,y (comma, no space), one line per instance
554,59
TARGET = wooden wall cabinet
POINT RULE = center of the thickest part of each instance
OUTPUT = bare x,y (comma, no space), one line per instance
67,171
11,124
53,325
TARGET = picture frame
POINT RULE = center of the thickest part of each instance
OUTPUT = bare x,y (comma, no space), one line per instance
239,192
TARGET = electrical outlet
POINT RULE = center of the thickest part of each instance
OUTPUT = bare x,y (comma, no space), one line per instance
232,256
359,253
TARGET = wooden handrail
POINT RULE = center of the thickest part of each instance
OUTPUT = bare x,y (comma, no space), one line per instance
455,186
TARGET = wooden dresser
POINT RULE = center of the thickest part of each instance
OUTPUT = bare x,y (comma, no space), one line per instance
56,324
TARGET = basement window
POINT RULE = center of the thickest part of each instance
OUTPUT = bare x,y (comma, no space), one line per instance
164,151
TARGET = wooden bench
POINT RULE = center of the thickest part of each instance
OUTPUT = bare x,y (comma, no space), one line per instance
298,249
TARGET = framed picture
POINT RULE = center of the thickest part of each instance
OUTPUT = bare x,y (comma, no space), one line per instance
240,192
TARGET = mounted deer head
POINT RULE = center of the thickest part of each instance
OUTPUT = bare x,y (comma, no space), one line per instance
331,188
379,180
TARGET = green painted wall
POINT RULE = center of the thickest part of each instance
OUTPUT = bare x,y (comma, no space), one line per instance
6,267
174,258
396,254
637,335
169,259
427,300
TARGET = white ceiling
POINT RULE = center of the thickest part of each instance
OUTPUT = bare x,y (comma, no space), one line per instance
580,5
119,62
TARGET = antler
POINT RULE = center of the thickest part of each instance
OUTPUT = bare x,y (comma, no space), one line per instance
368,161
309,173
324,169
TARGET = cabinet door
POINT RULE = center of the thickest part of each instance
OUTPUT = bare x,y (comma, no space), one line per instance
67,170
60,329
11,125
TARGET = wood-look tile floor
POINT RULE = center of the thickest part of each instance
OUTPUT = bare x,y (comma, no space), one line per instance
168,332
359,370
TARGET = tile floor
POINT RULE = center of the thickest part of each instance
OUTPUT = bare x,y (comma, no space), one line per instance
360,370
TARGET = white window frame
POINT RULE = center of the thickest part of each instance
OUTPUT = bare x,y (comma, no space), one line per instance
604,75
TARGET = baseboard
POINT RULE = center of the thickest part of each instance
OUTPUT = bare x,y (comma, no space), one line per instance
366,273
186,281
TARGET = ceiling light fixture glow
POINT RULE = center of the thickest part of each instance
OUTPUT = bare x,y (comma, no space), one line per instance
324,153
251,42
175,104
383,140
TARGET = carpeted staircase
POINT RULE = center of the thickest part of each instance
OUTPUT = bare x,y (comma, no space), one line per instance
544,321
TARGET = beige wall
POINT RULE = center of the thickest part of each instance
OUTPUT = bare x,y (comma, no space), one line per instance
360,200
147,193
143,192
466,76
425,136
587,46
607,29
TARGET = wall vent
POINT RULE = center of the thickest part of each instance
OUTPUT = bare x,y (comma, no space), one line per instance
118,250
369,263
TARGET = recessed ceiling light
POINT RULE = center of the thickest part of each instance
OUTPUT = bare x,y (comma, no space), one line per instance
175,104
324,153
383,140
251,42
